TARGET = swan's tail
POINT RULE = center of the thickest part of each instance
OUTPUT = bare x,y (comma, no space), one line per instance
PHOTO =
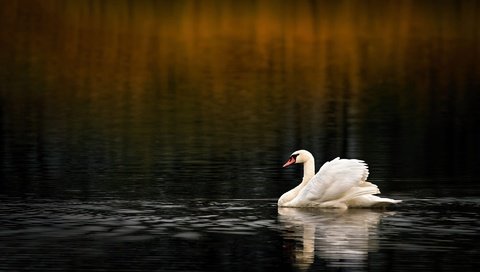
371,201
363,196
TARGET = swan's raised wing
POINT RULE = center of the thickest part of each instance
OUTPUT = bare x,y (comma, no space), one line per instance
336,180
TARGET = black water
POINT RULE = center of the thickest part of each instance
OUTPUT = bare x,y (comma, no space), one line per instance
139,136
236,234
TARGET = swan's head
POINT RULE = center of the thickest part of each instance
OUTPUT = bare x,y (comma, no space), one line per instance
299,156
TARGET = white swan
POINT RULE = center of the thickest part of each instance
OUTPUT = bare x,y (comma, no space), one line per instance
340,183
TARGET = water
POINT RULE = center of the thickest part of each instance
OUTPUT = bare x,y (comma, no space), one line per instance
236,234
144,136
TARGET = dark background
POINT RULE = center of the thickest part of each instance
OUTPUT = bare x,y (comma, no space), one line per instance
177,101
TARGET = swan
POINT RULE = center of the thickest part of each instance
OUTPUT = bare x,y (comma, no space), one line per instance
340,183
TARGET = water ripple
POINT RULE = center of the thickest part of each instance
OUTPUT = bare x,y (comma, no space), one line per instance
127,218
340,238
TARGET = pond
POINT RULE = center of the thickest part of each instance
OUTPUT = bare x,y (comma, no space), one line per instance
149,136
236,234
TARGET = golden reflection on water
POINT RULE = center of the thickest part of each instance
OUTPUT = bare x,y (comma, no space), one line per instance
185,73
117,45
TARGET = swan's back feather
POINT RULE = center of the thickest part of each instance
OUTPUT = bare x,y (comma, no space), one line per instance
339,179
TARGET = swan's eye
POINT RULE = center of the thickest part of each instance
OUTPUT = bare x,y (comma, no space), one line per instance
295,156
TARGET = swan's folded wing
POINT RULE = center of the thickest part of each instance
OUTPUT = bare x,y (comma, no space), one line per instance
335,180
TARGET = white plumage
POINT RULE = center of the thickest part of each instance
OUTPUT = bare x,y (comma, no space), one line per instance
340,183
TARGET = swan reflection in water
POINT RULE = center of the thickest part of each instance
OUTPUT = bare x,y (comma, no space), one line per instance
341,238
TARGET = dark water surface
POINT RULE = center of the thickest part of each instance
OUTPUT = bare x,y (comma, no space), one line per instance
236,234
149,136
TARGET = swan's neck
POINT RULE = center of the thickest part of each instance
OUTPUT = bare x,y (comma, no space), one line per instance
308,173
308,170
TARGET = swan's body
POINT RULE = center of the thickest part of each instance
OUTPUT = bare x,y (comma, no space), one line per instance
340,183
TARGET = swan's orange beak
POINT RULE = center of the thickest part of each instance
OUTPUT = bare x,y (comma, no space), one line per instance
290,161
